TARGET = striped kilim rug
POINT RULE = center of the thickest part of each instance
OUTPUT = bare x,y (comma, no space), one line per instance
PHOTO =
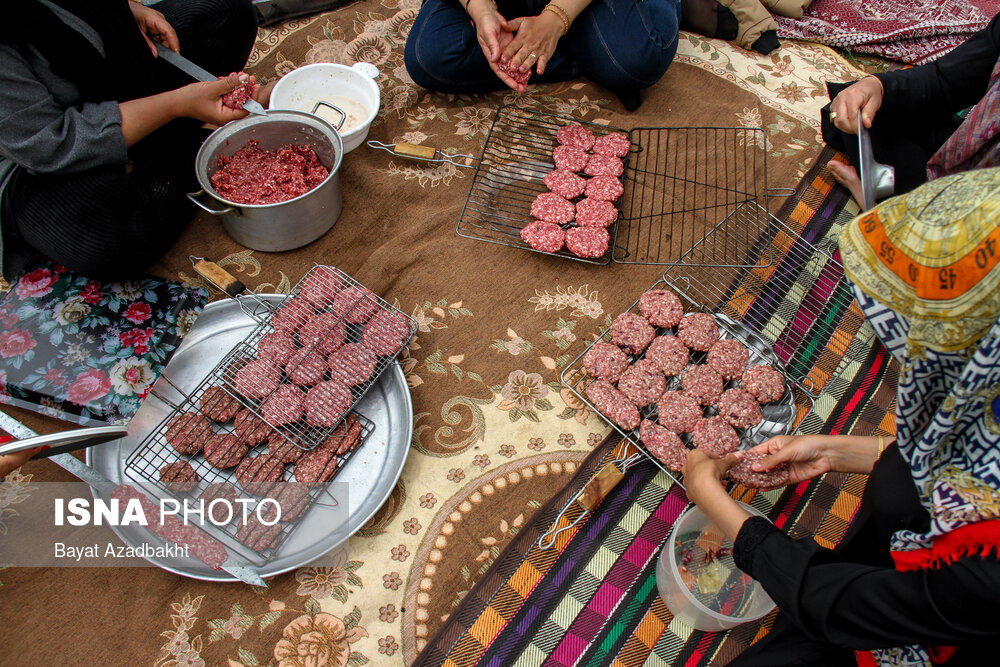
591,599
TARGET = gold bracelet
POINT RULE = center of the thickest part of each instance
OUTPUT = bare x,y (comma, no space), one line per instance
881,448
561,13
878,80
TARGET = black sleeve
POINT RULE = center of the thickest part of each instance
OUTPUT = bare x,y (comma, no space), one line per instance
863,607
951,83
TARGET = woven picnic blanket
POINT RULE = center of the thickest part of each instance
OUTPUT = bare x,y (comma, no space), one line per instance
591,599
913,31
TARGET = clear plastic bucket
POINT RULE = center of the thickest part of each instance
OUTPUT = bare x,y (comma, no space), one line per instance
698,580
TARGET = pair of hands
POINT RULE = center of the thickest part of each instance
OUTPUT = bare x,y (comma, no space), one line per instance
807,456
201,100
862,97
522,42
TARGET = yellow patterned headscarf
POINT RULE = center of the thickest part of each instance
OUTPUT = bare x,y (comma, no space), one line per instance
933,256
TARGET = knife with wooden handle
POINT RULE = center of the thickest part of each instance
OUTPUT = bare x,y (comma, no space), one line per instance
201,74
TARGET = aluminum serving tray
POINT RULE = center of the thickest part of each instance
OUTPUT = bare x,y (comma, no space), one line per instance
371,472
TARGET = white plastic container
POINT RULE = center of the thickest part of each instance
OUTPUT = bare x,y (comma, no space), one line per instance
346,97
740,598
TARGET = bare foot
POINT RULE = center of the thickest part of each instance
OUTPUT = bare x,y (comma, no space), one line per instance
847,176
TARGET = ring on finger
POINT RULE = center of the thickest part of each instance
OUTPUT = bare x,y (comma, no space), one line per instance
833,115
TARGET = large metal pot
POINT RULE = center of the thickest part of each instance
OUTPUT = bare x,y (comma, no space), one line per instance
288,224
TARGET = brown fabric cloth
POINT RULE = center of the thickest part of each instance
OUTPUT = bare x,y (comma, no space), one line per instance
495,433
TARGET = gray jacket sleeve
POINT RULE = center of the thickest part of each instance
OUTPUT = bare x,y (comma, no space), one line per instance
44,135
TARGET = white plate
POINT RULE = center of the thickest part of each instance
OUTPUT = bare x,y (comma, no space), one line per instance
371,472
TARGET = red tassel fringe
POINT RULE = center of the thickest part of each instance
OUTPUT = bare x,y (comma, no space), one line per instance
982,539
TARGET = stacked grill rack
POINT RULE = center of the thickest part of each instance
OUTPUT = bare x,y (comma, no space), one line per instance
783,297
516,157
351,315
679,184
143,467
779,418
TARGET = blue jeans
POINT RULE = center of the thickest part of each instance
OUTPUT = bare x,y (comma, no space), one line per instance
624,45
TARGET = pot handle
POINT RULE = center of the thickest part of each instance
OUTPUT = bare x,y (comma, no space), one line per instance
194,198
324,103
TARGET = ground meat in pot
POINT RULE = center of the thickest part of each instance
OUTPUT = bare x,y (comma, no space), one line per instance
258,177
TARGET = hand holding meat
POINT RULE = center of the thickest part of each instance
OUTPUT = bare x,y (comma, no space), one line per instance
810,456
703,474
535,39
206,100
864,97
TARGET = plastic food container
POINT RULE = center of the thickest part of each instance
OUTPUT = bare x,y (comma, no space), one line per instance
699,582
346,97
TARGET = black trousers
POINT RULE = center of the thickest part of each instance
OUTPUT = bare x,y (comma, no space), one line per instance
112,222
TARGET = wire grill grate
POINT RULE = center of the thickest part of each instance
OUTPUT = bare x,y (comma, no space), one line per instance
516,157
292,379
143,466
680,183
789,291
780,417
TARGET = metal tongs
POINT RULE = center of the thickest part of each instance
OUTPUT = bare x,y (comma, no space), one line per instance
594,491
424,153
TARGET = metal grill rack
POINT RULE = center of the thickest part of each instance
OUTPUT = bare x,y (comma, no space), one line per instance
516,157
680,182
781,417
344,309
144,464
788,291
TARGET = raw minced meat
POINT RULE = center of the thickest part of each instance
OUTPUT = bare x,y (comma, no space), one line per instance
665,445
565,183
605,188
570,158
612,404
187,432
257,177
595,213
550,207
604,165
698,331
702,384
678,412
224,450
729,358
632,333
587,242
544,236
715,437
743,472
284,406
613,143
604,360
662,307
577,135
179,476
669,354
643,383
739,408
764,383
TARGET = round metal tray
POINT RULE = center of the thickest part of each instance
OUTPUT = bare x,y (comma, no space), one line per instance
371,472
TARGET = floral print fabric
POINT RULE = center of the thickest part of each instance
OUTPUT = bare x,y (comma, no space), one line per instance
88,352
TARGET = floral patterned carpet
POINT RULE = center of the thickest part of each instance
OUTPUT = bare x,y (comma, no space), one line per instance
495,434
